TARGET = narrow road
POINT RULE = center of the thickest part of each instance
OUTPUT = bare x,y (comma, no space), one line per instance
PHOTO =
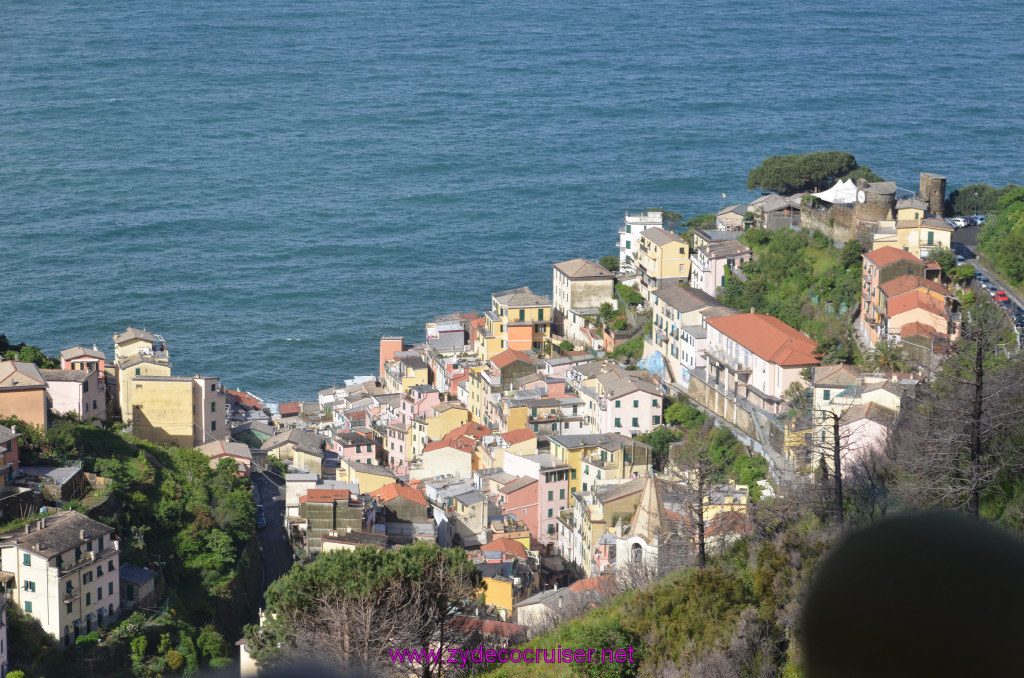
965,242
277,553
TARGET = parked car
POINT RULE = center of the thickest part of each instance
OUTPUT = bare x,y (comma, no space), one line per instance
958,222
260,511
261,522
992,289
979,219
960,261
1001,296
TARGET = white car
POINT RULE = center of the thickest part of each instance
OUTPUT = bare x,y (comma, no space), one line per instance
960,261
958,222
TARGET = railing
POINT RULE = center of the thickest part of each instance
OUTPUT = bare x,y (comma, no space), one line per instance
71,594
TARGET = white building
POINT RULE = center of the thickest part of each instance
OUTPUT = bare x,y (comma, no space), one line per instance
63,570
630,231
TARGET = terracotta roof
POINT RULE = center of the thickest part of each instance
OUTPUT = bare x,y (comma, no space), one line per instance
505,545
916,328
727,522
471,429
245,399
604,583
16,374
324,496
583,268
908,282
884,256
509,356
520,435
219,447
912,300
465,445
288,409
767,337
395,491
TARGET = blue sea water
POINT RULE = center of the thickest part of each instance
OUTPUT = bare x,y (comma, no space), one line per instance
274,185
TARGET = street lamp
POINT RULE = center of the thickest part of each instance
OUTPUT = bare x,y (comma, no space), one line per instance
976,203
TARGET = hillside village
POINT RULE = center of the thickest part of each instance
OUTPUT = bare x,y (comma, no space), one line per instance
525,434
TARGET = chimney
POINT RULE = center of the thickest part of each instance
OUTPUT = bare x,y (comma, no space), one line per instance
27,528
14,429
94,347
37,546
559,603
42,523
81,534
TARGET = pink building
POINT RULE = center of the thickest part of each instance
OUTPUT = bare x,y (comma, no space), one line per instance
353,446
78,392
552,478
81,358
519,500
708,263
419,402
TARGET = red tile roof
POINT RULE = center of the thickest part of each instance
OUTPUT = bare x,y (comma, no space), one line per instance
908,282
520,435
509,356
472,429
505,545
910,329
767,337
288,409
244,399
884,256
913,300
604,583
466,445
395,491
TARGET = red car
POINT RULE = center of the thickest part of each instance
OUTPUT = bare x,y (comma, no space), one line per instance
1001,296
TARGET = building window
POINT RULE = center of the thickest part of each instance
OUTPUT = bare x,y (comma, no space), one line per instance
213,425
654,403
522,314
110,566
88,545
636,422
30,586
67,608
540,311
99,570
110,588
618,423
26,559
825,396
656,419
138,371
561,494
551,495
618,403
573,474
88,599
551,513
28,607
99,593
130,592
636,404
213,406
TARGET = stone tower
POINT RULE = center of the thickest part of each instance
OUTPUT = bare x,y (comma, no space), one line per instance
875,201
933,191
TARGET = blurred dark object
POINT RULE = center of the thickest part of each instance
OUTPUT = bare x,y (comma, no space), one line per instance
934,594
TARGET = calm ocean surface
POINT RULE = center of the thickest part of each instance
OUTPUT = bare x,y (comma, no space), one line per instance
274,185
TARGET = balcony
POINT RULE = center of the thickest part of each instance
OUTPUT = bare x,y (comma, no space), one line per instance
729,363
71,594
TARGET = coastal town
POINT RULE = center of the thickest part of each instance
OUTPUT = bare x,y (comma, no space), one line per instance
549,437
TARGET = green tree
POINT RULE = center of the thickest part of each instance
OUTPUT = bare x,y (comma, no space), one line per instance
976,199
886,357
789,174
684,414
408,596
138,646
610,262
628,294
962,275
175,660
945,258
566,345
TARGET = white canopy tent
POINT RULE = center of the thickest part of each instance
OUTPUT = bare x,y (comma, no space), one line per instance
844,192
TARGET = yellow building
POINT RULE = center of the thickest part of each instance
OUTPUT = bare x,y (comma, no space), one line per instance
797,445
662,258
182,411
518,319
622,457
446,417
137,353
370,477
405,370
921,237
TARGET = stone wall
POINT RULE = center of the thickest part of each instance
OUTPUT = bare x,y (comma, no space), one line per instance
837,222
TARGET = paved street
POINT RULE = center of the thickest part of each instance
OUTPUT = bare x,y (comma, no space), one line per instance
965,242
277,555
